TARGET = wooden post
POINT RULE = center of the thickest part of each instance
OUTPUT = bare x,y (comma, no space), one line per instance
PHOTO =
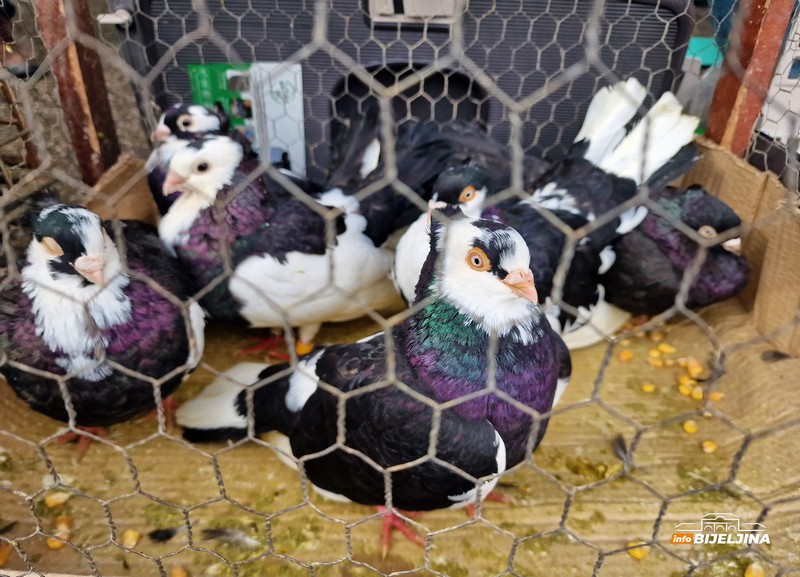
81,87
742,89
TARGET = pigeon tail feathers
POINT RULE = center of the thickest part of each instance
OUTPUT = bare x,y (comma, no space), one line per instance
611,109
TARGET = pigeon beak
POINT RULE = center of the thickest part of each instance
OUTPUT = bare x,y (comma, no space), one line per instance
91,268
733,245
173,183
434,204
521,284
161,133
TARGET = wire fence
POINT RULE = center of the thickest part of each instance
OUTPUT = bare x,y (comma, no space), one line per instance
674,425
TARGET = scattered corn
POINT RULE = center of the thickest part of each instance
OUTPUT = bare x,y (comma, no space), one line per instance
625,355
63,530
666,348
130,538
625,342
754,570
690,426
178,571
648,387
687,380
5,553
654,353
685,390
669,362
697,393
707,414
656,336
53,500
709,446
715,395
638,551
655,362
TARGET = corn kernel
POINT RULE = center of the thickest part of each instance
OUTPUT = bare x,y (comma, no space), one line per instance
655,362
669,362
666,348
625,355
709,446
625,342
695,369
130,538
687,381
648,387
754,570
654,353
682,362
53,500
178,571
690,426
656,336
55,544
715,395
697,393
5,553
638,552
685,390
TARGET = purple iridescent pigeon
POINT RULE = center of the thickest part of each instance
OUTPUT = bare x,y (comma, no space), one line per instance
82,310
653,258
478,301
295,263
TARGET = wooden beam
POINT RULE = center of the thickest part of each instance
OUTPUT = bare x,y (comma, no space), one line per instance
747,72
81,87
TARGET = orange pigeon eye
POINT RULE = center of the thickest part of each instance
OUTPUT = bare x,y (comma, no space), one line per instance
185,121
477,260
707,231
467,194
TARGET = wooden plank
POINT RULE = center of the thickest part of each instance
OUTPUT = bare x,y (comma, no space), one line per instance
743,86
81,87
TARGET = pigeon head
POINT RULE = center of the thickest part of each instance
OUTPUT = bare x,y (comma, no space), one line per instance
706,214
70,244
484,271
188,121
204,167
465,186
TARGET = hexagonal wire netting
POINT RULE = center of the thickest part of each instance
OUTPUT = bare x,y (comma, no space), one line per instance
672,419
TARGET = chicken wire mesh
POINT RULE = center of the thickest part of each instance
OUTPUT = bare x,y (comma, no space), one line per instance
627,457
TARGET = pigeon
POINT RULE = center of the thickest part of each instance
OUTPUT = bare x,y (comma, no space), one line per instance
653,258
360,167
93,302
293,262
478,321
601,172
181,124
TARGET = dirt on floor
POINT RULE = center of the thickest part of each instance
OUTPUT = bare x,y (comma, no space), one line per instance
573,509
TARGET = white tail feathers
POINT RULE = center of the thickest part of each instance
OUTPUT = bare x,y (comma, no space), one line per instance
658,137
611,109
215,407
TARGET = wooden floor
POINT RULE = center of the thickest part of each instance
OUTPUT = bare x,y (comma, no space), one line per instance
572,510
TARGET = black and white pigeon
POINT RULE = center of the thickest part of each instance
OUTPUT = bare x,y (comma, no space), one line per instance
478,322
83,312
653,258
360,167
601,172
181,124
294,262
